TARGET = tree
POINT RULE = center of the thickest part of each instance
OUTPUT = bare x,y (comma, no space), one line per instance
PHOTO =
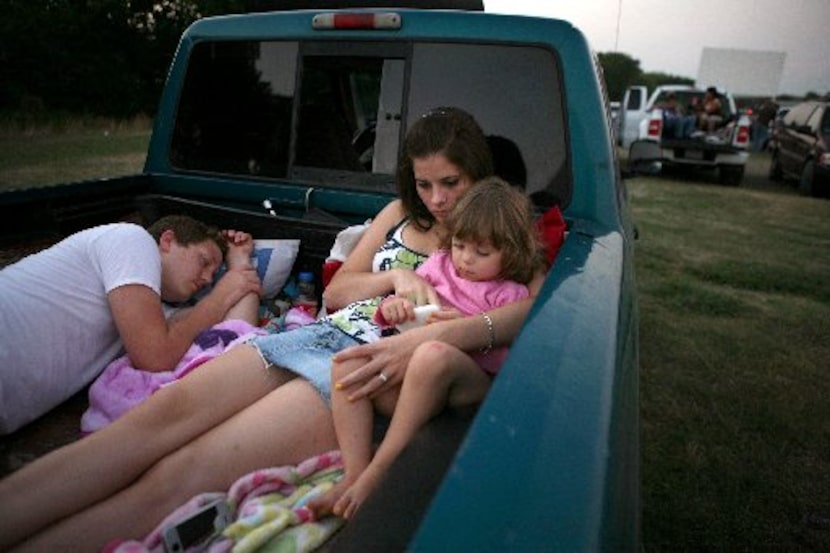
102,57
621,71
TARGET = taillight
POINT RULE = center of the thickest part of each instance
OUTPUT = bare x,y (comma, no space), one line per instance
655,128
742,138
376,21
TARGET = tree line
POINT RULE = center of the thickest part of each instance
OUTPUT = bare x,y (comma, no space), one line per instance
96,57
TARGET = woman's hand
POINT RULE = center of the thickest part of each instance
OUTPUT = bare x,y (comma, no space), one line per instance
385,366
411,286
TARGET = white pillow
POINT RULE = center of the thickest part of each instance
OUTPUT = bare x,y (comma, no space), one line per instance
273,260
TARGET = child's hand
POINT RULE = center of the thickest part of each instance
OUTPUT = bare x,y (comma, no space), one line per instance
240,247
397,310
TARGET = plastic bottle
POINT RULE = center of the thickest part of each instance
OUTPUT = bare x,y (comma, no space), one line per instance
306,297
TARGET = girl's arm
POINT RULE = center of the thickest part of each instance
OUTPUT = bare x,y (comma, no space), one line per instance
391,355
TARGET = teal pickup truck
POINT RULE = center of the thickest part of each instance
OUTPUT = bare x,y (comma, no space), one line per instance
288,124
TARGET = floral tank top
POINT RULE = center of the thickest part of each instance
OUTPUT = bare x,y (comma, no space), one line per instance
357,318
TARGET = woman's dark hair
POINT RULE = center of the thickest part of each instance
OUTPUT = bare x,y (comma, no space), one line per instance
453,133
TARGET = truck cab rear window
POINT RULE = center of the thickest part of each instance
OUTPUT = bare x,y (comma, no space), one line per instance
334,114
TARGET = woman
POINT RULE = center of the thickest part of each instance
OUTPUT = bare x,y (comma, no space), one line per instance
234,415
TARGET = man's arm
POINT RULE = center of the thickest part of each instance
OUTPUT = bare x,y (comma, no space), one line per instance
156,344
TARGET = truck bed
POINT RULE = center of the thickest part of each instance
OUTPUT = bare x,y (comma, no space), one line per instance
385,522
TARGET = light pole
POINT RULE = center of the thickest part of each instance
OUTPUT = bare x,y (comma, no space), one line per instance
619,16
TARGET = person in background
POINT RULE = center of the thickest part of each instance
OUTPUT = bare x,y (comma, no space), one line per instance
764,116
711,115
676,123
67,311
492,252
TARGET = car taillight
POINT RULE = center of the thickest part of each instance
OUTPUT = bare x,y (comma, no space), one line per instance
376,21
742,138
655,128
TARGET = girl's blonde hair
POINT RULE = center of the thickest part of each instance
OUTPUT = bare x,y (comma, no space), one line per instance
495,212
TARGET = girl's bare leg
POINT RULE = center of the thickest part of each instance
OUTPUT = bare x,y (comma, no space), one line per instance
353,421
286,426
74,477
437,376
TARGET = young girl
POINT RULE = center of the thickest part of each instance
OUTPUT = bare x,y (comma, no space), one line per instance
491,254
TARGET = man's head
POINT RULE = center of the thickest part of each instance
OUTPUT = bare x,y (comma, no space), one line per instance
191,252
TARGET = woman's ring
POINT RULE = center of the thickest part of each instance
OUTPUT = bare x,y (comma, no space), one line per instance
383,377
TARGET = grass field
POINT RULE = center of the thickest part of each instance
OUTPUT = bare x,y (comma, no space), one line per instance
734,296
70,151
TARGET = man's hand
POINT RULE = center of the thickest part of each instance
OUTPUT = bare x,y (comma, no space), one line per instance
240,248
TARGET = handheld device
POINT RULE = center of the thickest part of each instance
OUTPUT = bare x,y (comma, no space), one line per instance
199,527
422,313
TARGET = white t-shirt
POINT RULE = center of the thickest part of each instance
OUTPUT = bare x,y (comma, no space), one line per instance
56,329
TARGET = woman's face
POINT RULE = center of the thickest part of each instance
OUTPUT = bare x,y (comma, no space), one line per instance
439,184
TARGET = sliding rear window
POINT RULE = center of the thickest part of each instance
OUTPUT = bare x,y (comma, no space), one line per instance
335,114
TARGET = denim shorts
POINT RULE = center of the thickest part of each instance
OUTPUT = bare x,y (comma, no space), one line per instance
306,351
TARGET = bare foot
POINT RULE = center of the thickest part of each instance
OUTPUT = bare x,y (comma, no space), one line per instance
351,499
323,505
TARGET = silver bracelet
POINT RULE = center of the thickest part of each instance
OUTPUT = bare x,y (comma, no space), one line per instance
486,349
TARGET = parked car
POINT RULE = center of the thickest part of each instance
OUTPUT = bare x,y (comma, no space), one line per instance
724,148
801,148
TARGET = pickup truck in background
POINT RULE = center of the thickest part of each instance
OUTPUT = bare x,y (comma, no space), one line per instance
305,112
725,150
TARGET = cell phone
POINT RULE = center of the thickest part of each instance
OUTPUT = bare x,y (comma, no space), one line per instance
198,528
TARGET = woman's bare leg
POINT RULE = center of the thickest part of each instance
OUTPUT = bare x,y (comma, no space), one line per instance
437,376
74,477
286,426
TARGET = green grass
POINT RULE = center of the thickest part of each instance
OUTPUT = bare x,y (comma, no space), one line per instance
734,301
734,292
63,151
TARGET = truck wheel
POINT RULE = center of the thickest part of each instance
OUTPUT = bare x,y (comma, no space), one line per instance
805,184
775,172
731,175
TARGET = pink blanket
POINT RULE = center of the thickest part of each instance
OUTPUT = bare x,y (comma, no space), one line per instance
268,511
121,386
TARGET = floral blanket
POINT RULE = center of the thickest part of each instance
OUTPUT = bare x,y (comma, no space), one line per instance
269,512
